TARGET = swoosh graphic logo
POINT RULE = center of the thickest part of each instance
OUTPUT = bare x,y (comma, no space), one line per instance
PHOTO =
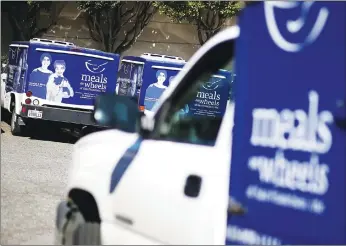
95,68
211,85
294,26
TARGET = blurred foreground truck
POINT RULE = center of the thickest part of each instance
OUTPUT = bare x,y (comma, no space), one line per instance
56,82
271,171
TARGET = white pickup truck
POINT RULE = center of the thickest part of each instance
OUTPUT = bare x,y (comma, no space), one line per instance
167,170
171,182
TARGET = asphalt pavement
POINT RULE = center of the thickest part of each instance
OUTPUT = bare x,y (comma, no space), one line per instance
33,180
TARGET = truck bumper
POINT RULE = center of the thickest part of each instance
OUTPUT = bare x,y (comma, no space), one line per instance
73,116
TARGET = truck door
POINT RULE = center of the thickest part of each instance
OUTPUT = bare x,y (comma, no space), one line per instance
172,186
15,74
288,153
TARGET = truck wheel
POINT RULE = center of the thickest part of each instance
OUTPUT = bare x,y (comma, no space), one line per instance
73,229
4,115
16,129
87,234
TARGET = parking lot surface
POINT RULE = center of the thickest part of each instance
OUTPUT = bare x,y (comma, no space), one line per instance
33,179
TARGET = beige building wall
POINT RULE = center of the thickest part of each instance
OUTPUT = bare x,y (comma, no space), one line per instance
160,36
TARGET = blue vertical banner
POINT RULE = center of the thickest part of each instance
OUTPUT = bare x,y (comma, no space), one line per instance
288,163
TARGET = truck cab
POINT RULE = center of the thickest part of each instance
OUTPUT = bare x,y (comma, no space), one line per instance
180,149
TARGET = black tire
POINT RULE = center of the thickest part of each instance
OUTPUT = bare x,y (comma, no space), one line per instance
4,115
16,129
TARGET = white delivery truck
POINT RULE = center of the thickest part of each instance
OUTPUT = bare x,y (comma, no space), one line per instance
171,183
55,82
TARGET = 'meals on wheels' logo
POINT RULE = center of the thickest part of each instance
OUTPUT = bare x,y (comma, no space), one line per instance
294,26
212,84
95,68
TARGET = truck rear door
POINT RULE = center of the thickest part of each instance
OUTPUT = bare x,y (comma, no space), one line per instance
288,162
129,79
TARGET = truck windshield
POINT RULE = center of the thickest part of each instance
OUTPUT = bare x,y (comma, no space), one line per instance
198,121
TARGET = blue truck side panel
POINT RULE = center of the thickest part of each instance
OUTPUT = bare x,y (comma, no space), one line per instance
137,74
288,163
152,70
141,75
89,72
211,98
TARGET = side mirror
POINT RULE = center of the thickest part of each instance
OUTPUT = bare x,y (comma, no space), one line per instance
146,125
120,112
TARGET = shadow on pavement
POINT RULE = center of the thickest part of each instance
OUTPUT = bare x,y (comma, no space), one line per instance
41,132
45,131
52,134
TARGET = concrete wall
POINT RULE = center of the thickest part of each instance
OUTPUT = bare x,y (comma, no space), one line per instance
160,36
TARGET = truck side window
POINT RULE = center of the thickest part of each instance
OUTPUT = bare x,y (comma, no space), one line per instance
196,130
200,126
191,128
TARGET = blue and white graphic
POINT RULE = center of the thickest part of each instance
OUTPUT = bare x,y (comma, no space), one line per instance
288,161
39,76
17,69
67,78
129,79
297,25
155,90
58,86
211,98
211,85
95,68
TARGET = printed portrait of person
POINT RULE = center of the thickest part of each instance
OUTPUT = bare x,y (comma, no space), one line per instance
154,91
39,76
58,86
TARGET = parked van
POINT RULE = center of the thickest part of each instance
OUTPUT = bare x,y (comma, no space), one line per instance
146,77
277,177
55,81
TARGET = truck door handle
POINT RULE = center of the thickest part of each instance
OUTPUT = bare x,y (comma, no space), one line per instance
193,186
235,208
124,219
